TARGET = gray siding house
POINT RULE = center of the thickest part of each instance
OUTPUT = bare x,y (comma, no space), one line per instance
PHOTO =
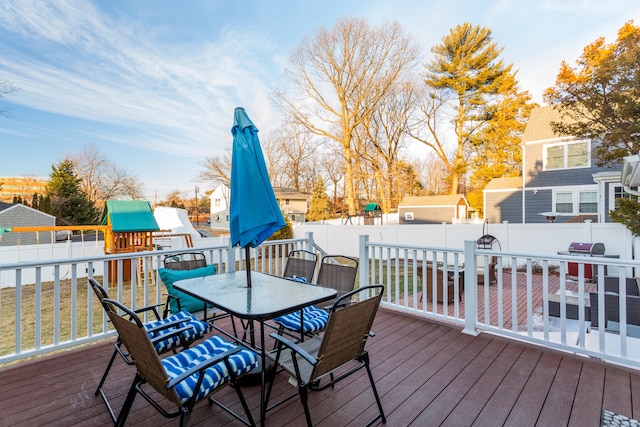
19,215
559,177
433,209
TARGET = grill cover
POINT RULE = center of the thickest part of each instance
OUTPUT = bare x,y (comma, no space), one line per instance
586,248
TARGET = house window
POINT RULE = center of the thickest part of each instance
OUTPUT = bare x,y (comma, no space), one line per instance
588,202
567,155
226,218
576,202
616,191
216,202
408,216
287,202
564,202
555,157
293,217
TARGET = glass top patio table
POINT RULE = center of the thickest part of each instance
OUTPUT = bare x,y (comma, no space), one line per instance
268,297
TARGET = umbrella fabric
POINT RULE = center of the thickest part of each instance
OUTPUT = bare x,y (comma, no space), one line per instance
254,211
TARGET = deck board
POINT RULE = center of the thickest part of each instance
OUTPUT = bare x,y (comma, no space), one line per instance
427,373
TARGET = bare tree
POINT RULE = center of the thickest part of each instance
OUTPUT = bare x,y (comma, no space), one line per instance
333,165
432,174
428,129
6,88
102,179
216,170
290,151
340,77
384,133
273,156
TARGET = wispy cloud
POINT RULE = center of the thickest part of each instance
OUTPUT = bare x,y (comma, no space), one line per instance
78,62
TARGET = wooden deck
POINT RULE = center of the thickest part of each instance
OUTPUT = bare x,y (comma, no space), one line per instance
427,373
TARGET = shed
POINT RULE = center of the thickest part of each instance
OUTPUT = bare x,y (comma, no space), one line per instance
433,209
19,215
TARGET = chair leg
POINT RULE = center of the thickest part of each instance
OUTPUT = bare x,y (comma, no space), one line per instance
244,404
128,402
365,358
106,372
185,416
99,390
304,398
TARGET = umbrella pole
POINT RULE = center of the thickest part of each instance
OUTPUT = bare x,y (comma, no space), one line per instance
248,268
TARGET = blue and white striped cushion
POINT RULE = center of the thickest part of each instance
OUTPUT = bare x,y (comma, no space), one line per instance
314,320
197,330
216,375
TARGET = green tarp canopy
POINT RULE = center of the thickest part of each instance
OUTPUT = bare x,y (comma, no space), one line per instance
372,207
129,215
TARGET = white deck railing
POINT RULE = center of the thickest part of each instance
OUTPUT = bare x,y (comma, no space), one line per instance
517,305
54,307
48,305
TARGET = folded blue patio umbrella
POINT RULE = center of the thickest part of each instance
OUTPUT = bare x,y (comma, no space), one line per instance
253,210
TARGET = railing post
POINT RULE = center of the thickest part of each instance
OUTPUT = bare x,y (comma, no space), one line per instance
470,288
309,244
364,258
231,258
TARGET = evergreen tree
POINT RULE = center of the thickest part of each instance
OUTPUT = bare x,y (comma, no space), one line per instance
44,204
285,232
320,206
471,83
68,202
627,214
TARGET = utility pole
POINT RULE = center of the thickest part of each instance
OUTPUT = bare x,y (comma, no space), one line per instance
197,213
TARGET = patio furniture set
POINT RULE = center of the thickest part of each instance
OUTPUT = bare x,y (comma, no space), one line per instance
485,274
310,342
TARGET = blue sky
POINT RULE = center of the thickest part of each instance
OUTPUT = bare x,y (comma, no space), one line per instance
153,84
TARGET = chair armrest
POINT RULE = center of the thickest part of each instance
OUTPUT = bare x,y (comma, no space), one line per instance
294,347
202,366
150,308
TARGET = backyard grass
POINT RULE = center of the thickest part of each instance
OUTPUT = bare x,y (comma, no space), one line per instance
87,309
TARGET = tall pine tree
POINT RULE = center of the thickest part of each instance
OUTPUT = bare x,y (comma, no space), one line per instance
320,206
473,85
68,202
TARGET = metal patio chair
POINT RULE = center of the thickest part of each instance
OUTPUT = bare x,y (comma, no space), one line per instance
337,272
183,378
340,350
301,264
175,332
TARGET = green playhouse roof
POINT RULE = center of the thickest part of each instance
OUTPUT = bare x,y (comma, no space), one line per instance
129,215
372,207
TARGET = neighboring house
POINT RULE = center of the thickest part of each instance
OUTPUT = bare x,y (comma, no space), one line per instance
293,203
559,176
503,200
219,207
433,209
19,215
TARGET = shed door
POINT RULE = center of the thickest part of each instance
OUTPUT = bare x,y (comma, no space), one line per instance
462,211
